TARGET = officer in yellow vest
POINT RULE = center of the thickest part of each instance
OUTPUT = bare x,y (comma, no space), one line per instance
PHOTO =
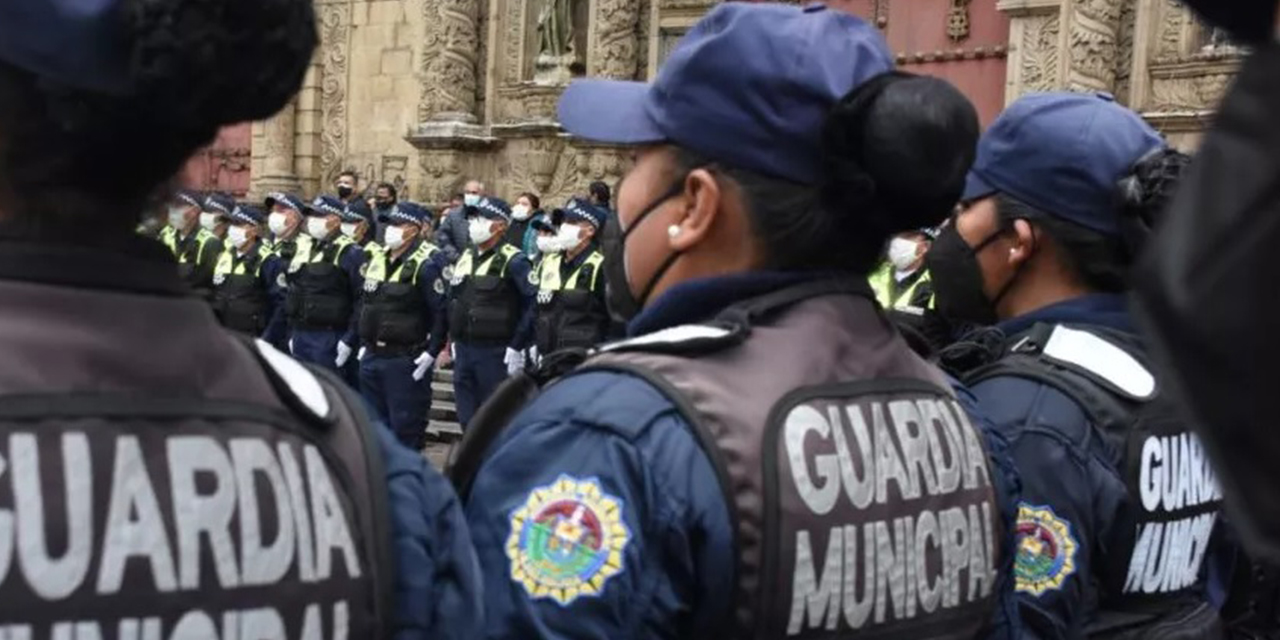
245,293
357,224
402,324
491,307
571,295
325,286
902,283
215,212
195,248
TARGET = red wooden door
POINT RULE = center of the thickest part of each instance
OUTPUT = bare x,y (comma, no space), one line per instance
963,41
223,165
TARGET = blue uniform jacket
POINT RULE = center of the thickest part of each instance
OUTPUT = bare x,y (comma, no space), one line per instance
272,277
438,587
351,261
615,438
1047,432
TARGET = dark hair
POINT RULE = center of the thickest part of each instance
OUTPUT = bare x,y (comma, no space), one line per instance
600,191
391,188
196,65
1101,261
534,200
896,151
348,173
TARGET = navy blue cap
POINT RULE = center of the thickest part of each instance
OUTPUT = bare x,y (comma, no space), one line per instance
491,208
79,43
750,85
218,202
325,206
544,223
247,214
189,197
285,199
579,210
1062,153
407,213
357,211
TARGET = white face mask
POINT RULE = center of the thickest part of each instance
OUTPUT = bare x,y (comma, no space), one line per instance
178,217
318,227
548,244
278,223
208,220
902,253
349,229
471,199
397,237
569,236
237,236
480,230
520,212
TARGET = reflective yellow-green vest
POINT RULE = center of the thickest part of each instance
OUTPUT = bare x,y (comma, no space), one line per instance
484,306
395,313
570,313
890,296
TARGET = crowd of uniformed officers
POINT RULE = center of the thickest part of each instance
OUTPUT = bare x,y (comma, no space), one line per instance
834,363
362,287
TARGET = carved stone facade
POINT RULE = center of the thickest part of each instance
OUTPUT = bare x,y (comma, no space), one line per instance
428,93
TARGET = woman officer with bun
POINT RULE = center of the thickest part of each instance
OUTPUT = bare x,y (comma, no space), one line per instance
764,457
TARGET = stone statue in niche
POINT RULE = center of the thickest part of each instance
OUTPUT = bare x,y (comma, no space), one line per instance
556,50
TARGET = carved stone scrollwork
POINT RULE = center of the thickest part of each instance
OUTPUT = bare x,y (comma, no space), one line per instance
615,52
1173,17
1200,93
528,103
1039,52
442,171
1094,45
335,21
451,50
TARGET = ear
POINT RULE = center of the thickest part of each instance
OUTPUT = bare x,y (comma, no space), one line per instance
700,207
1022,243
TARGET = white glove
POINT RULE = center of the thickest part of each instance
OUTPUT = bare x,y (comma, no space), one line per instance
514,361
344,354
360,355
424,362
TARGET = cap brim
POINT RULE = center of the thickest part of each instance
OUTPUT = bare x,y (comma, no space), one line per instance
610,111
976,188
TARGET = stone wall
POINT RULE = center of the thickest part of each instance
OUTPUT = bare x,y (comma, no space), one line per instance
428,93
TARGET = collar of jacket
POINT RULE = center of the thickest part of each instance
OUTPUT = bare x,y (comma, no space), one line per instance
1103,309
123,263
702,298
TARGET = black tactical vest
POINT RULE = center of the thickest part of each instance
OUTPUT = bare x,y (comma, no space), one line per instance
394,313
320,291
240,299
1157,575
162,478
859,490
484,308
571,317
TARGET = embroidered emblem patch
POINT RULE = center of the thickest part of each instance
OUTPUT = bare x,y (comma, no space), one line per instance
1046,550
567,540
533,277
370,286
219,278
544,296
439,286
282,281
364,268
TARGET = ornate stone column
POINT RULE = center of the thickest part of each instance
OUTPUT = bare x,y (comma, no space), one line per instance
450,52
277,153
613,37
1062,44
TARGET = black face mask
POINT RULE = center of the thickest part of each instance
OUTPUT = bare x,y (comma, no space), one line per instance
384,204
957,278
622,304
345,192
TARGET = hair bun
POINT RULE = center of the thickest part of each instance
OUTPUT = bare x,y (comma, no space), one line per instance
898,149
202,62
1145,191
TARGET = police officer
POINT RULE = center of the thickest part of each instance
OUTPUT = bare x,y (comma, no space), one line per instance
216,212
491,307
325,286
163,477
285,223
1119,502
402,324
571,302
245,288
902,283
357,224
194,246
765,457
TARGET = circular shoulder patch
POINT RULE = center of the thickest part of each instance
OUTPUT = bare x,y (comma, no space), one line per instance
447,272
439,286
1046,552
282,281
364,268
533,277
567,539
